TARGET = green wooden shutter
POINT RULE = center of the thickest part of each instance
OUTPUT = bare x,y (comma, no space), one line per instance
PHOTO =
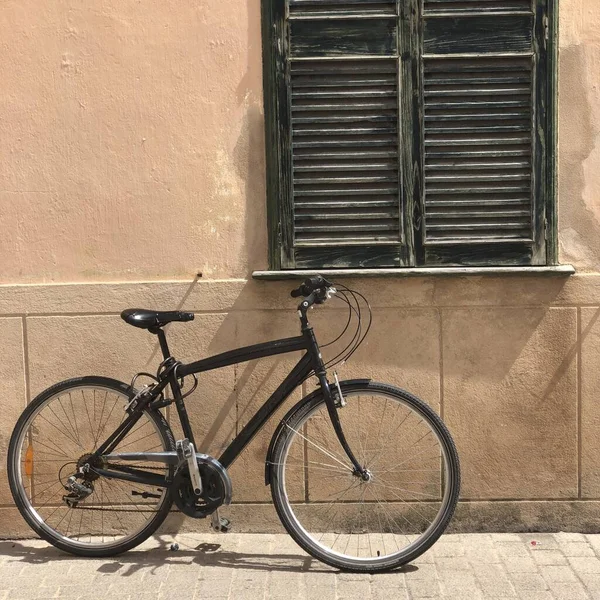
338,97
484,93
408,132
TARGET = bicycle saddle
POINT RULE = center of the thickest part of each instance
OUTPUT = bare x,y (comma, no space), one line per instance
145,319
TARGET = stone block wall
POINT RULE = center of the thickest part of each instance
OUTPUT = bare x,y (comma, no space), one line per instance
511,363
132,158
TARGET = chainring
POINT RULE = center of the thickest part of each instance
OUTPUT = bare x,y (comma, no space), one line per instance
213,491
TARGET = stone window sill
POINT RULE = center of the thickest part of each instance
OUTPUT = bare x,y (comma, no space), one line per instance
558,270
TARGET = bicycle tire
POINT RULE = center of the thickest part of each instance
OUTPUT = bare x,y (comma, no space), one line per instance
288,510
24,504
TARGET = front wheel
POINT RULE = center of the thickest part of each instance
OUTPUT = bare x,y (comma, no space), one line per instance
386,519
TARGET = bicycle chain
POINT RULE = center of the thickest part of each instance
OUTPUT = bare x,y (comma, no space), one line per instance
141,467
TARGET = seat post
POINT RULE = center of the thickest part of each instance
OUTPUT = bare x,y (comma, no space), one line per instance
162,339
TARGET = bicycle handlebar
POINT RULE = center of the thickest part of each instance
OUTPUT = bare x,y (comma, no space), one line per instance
310,285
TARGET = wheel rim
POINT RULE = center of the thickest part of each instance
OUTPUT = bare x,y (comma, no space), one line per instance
114,513
366,523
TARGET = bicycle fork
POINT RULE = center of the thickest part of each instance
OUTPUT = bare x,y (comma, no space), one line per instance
332,408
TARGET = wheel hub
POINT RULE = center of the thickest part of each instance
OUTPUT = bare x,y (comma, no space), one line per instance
87,459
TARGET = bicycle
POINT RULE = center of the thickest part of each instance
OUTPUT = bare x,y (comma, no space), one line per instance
364,476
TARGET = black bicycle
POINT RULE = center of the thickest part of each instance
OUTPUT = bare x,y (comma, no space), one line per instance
364,476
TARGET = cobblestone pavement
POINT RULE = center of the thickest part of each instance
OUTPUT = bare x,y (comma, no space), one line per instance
250,567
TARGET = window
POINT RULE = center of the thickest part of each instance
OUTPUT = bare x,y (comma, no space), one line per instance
410,132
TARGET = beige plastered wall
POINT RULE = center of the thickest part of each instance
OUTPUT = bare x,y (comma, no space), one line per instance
132,158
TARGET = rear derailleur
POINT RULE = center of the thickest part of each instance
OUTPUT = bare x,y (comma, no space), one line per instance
77,491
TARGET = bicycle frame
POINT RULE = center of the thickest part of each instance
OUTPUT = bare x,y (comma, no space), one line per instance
311,361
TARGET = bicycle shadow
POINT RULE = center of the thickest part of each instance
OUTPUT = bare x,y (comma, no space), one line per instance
203,555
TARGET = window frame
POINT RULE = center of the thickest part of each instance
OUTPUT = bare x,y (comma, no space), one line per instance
279,171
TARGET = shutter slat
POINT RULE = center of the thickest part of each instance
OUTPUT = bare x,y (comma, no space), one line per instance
507,79
478,153
355,106
480,202
467,226
347,167
472,116
491,91
485,105
462,166
323,8
345,155
474,214
361,228
449,142
345,216
347,192
369,118
345,180
345,204
464,191
382,130
486,128
350,144
475,177
476,6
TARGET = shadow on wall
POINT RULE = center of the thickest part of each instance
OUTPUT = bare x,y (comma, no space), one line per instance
504,377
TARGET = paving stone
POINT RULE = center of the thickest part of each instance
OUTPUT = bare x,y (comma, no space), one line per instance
506,537
529,581
572,591
585,564
255,567
386,594
535,595
450,549
511,549
558,574
569,537
424,588
520,564
591,584
351,590
549,557
577,549
494,581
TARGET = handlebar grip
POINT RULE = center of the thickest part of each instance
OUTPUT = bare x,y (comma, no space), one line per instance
314,283
309,286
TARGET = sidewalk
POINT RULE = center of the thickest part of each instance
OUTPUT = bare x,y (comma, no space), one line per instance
251,567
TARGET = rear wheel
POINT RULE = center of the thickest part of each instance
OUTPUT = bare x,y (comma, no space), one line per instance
54,436
381,521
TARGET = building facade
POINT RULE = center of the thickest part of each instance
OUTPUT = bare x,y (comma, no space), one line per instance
133,172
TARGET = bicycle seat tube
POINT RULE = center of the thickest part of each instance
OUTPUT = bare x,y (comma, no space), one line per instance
321,373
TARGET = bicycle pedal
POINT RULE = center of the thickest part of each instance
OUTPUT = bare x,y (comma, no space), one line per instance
224,525
220,524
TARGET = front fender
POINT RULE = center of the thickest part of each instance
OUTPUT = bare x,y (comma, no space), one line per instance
346,386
